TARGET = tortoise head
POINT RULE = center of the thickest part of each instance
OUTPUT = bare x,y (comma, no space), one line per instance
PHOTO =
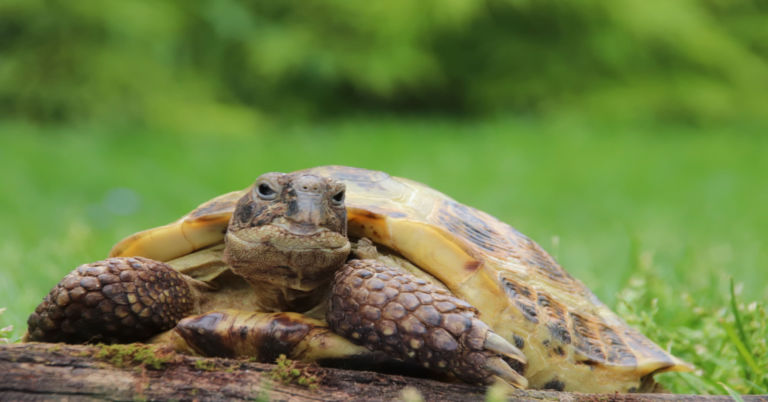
289,232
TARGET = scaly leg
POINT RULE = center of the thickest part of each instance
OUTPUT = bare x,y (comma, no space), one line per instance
115,300
385,308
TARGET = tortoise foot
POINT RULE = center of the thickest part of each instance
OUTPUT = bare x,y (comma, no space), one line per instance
385,308
115,300
259,336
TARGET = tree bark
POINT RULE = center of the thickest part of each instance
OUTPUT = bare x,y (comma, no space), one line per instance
38,371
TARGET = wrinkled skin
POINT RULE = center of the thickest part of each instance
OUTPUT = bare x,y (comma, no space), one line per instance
286,238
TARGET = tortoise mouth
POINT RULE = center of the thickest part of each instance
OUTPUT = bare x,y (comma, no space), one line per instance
289,237
299,229
275,260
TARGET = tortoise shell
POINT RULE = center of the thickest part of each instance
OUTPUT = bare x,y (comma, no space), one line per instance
571,339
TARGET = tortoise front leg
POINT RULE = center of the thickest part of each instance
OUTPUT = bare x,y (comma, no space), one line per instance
258,335
115,300
385,308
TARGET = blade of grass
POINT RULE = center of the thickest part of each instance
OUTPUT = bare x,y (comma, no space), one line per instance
733,394
698,384
759,388
737,317
751,368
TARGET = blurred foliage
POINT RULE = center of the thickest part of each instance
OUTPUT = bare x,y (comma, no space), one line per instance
226,65
5,331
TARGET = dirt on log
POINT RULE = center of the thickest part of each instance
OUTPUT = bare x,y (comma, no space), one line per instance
37,371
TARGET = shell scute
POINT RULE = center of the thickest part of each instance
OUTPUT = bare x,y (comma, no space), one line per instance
651,356
465,222
556,318
618,351
586,338
216,206
539,260
523,299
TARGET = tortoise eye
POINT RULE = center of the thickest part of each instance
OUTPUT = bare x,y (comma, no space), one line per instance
266,192
338,198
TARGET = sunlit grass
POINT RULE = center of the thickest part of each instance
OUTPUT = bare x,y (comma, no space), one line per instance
655,220
725,340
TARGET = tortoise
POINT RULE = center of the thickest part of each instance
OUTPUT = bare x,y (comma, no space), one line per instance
334,263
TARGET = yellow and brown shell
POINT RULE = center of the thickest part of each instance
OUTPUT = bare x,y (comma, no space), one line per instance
571,339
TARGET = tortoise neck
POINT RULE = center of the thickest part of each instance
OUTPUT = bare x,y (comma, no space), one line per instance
271,297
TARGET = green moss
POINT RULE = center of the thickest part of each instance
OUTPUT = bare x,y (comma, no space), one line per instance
289,371
134,354
84,353
205,365
264,390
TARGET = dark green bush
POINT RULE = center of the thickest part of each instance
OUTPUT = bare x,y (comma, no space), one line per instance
228,65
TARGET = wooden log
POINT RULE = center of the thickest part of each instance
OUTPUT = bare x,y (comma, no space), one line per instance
39,371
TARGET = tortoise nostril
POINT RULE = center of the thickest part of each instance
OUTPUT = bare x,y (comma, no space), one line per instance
308,184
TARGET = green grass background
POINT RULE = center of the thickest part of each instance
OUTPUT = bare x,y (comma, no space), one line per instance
655,220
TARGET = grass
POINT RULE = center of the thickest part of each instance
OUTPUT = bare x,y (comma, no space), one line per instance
655,220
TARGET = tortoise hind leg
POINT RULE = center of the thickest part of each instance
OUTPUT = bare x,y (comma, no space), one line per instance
385,308
259,335
115,300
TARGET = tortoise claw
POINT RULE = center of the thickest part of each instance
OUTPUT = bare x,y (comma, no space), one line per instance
501,369
496,343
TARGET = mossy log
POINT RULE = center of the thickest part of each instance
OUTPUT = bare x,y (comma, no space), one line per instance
37,371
